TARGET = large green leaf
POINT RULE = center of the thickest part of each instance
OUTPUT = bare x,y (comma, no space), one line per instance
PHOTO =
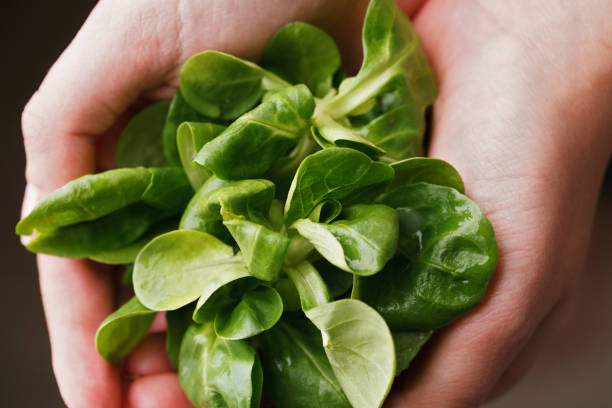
192,220
120,332
219,373
258,310
174,269
360,349
303,54
94,196
190,138
254,142
219,85
127,254
392,54
331,174
361,242
179,112
141,142
110,234
309,284
407,346
448,254
296,369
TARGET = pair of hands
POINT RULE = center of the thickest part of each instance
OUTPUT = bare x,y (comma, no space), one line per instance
525,102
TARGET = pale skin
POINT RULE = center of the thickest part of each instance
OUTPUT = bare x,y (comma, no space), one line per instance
524,113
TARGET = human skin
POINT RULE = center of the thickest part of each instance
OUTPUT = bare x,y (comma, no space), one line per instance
524,114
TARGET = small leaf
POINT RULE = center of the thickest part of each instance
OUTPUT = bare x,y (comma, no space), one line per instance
190,138
141,142
120,332
254,142
258,310
360,243
179,112
303,54
174,269
425,170
311,287
331,174
360,349
219,85
262,249
215,372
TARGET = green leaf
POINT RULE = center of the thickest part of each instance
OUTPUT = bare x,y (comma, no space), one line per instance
258,310
120,332
360,349
126,279
360,243
255,141
303,54
392,54
192,221
426,170
296,369
448,254
179,112
221,290
331,174
407,346
110,234
251,199
338,281
127,254
262,248
311,287
94,196
219,85
141,142
288,293
177,323
218,373
174,269
190,138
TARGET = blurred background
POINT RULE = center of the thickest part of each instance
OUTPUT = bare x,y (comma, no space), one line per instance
577,373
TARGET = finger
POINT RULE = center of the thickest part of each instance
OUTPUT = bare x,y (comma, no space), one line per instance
148,358
76,299
157,391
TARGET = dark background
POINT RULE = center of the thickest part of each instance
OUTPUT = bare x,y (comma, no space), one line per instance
33,34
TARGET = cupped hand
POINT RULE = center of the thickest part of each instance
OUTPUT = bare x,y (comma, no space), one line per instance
523,107
524,113
126,53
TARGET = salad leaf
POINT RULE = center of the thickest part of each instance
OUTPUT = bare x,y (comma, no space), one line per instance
360,243
219,85
120,332
215,372
360,349
407,346
252,144
310,286
331,174
190,138
177,321
296,368
303,54
141,142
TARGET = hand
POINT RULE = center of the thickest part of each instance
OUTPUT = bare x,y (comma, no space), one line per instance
524,113
511,166
125,53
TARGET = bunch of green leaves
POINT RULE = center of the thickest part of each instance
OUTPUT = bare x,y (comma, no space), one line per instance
286,226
